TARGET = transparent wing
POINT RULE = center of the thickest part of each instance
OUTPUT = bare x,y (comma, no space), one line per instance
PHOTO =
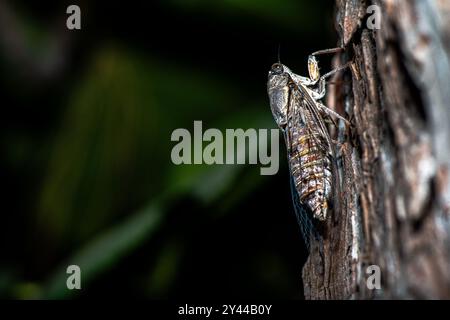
296,119
321,135
323,139
304,217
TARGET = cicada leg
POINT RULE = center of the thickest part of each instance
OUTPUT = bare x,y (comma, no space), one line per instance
330,113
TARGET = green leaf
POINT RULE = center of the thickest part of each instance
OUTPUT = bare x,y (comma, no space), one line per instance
105,251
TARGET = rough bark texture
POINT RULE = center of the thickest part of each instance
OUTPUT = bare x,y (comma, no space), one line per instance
394,162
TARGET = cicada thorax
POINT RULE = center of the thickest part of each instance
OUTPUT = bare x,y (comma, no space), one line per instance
310,164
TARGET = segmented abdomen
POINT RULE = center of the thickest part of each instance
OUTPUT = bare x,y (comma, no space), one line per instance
311,167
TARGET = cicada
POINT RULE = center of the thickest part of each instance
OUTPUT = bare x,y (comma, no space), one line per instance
296,105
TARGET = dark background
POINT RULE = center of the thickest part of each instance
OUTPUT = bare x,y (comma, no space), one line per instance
86,169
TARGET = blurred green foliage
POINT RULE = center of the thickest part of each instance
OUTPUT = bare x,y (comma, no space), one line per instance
98,186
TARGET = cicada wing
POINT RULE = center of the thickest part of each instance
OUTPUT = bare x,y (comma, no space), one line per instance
302,213
304,217
324,142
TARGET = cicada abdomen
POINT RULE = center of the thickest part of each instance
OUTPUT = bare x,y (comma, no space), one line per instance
310,164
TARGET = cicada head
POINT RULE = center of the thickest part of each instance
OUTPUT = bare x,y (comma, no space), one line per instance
278,91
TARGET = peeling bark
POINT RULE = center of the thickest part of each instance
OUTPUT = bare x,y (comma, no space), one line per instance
395,159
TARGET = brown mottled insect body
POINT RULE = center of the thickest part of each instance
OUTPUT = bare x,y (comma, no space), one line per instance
298,111
308,153
311,170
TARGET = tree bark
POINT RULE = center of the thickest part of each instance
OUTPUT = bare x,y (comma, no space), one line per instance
394,160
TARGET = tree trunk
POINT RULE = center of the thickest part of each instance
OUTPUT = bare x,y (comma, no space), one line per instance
394,160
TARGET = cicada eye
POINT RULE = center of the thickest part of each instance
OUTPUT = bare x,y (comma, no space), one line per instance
291,85
277,68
